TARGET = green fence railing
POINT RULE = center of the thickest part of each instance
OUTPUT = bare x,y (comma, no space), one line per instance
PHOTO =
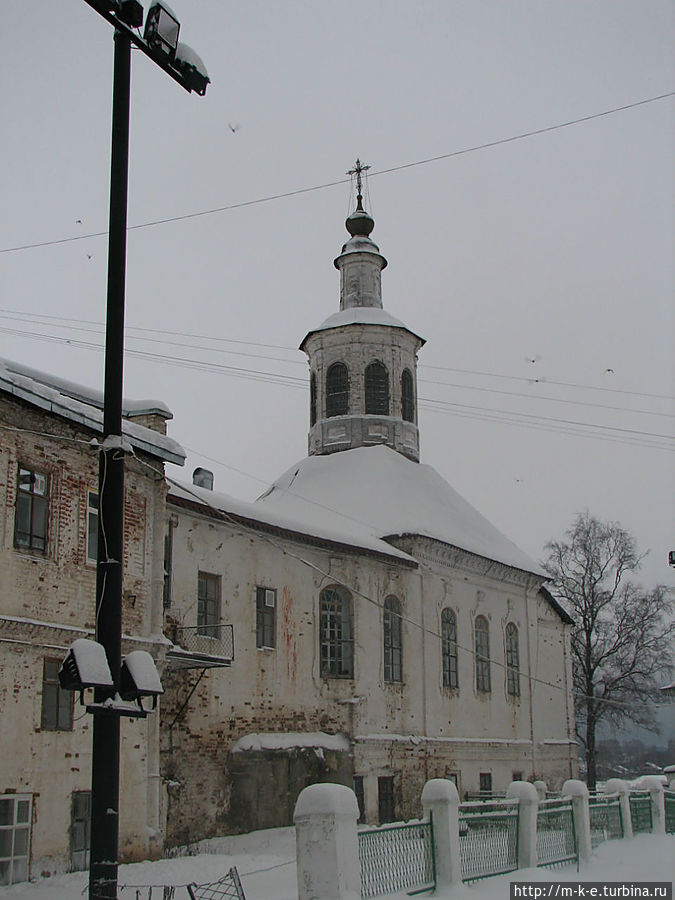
606,820
640,812
397,858
556,837
488,839
669,803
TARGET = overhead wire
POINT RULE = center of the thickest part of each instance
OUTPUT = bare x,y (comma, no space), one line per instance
373,174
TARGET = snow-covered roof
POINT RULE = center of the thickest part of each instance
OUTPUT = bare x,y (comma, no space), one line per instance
84,406
323,529
290,739
376,493
361,315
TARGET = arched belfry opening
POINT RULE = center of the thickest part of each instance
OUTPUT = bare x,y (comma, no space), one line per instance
362,360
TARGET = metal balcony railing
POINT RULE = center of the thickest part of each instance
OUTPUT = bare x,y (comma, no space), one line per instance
201,646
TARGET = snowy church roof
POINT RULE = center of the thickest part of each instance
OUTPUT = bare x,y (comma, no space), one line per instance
85,406
376,493
360,315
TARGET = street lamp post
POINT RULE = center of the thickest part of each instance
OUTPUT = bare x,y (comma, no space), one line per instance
160,43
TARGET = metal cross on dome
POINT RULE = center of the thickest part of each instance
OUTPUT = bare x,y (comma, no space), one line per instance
358,170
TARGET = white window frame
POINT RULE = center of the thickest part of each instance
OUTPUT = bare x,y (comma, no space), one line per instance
15,826
92,513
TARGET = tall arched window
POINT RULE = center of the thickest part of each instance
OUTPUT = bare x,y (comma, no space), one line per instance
377,390
393,640
336,637
407,397
482,648
312,399
512,661
449,648
337,390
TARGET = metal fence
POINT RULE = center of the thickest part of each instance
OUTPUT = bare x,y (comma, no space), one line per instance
669,803
214,641
556,837
488,839
606,819
641,812
397,858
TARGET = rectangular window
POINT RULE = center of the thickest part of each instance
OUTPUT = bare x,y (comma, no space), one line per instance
30,522
208,604
357,785
516,776
92,526
336,639
385,798
80,830
265,618
57,704
15,821
485,782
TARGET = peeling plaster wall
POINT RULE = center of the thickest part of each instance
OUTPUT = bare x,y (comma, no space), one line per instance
47,600
414,730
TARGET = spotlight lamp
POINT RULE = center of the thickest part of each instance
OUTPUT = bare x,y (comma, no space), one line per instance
85,666
139,678
161,29
190,64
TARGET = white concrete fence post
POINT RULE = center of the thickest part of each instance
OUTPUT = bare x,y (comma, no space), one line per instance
654,784
528,803
578,792
541,788
619,786
327,846
441,800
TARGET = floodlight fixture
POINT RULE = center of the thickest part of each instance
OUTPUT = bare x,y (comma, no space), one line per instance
139,678
191,67
131,13
85,666
162,29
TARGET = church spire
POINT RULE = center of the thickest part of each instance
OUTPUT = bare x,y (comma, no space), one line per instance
360,263
363,361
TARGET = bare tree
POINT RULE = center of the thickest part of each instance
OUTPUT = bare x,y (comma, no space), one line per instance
623,635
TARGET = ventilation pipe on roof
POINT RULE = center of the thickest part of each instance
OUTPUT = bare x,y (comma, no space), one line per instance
203,478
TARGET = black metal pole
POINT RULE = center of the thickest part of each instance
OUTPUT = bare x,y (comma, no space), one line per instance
106,740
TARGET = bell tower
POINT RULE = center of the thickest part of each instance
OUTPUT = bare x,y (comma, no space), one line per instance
362,361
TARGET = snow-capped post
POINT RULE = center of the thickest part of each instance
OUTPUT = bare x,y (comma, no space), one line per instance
528,805
541,788
654,784
619,786
327,846
578,792
440,801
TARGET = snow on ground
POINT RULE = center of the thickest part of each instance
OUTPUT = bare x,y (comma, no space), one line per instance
266,864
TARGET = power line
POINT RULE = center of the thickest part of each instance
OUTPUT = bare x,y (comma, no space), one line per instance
319,187
18,315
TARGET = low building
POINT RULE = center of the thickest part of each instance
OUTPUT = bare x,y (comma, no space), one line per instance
48,547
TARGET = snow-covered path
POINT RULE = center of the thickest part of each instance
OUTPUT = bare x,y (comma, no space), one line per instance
266,863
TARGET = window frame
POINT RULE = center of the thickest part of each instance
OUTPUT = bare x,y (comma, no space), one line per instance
485,783
31,502
482,655
92,516
265,618
512,652
407,396
57,704
208,607
17,824
312,399
386,799
336,633
449,656
392,640
359,788
376,389
337,390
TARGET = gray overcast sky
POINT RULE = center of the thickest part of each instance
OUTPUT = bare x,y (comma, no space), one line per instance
556,248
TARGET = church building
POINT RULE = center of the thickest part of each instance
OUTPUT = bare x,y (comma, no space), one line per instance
384,631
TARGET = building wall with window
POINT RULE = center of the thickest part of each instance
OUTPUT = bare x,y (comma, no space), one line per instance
341,653
48,492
